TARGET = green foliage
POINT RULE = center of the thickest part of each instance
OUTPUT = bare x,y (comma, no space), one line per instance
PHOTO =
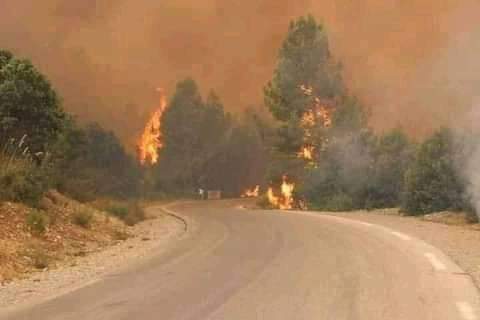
392,155
339,202
92,163
37,221
431,183
238,164
182,155
22,179
82,218
304,59
341,178
28,104
205,148
131,214
118,211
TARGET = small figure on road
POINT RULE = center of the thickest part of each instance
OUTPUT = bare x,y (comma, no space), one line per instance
201,193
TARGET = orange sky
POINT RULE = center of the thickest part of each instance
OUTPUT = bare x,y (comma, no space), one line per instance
412,62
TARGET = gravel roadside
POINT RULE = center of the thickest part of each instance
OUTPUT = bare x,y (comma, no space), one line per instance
152,234
461,243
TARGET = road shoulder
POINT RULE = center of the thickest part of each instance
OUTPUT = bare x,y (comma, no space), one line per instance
460,242
150,236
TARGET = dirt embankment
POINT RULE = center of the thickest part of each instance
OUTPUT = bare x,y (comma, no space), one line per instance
33,240
69,253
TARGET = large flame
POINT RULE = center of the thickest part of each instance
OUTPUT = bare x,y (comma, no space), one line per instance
306,152
319,113
151,140
251,193
285,200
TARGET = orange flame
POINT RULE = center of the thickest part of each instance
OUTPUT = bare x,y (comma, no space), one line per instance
272,199
320,113
285,201
151,140
306,152
251,193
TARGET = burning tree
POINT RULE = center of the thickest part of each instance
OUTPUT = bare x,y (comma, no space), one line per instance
151,142
305,91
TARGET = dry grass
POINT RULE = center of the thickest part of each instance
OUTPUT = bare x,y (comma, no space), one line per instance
73,230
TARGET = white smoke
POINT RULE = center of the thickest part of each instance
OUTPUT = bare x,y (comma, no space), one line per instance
468,140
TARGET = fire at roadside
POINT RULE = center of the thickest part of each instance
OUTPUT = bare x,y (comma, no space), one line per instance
279,197
319,114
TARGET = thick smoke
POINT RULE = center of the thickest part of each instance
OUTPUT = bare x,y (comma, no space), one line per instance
406,60
471,171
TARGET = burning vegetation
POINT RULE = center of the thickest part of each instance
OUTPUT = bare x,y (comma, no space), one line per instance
318,115
285,200
252,193
151,140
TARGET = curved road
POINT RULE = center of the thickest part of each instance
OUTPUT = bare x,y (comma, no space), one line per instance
236,264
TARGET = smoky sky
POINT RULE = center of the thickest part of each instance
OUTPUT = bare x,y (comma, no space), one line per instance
413,63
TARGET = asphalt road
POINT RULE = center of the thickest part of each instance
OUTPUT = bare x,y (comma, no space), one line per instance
236,264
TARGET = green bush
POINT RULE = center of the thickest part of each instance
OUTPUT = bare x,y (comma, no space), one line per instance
37,221
118,211
82,218
339,202
431,181
392,154
22,178
131,214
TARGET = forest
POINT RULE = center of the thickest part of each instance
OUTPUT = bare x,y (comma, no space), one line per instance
312,134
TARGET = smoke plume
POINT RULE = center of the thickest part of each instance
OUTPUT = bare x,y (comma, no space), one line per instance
412,62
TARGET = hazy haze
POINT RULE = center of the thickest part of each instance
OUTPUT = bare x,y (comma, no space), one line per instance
412,62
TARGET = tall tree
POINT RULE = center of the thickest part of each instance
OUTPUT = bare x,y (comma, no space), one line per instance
304,60
28,104
319,121
181,125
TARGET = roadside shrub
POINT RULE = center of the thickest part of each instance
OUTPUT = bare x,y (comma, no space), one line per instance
22,178
392,154
118,211
339,202
431,182
37,221
37,255
135,215
82,218
131,213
